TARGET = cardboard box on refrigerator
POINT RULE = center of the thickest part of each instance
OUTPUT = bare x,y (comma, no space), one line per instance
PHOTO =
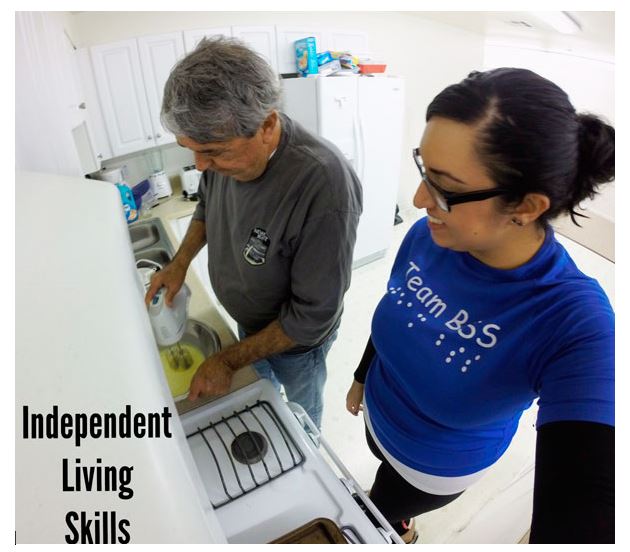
306,56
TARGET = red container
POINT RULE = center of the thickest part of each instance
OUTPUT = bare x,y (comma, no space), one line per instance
372,67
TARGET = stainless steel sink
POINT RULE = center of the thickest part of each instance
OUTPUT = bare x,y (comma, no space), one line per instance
149,241
144,235
156,255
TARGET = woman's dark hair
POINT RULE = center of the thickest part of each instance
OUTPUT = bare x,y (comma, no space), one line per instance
530,137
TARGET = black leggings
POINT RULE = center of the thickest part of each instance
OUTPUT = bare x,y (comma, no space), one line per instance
396,499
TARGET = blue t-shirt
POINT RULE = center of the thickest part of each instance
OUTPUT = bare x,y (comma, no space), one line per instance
462,349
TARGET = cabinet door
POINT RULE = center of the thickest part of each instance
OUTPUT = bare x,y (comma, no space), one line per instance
192,38
285,39
122,96
355,42
261,39
158,55
97,133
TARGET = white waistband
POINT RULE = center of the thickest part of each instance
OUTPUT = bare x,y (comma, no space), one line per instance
434,484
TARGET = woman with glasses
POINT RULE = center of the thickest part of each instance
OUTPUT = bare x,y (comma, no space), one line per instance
485,312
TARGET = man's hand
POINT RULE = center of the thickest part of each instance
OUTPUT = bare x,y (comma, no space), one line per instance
173,274
214,375
171,277
354,398
213,378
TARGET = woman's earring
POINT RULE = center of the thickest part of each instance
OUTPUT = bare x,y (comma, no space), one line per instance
517,222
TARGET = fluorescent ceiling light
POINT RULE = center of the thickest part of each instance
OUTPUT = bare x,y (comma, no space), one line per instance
561,21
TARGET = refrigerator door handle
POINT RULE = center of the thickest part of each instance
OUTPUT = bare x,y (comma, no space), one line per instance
358,145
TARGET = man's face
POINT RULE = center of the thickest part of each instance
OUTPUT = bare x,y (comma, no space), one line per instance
243,159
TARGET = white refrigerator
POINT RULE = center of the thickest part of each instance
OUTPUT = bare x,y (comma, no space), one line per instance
363,117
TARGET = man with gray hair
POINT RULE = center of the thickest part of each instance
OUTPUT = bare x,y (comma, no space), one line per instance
278,211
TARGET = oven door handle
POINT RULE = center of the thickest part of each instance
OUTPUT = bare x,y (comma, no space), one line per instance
385,529
349,482
306,422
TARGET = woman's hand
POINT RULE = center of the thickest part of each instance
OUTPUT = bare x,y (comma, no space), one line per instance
354,398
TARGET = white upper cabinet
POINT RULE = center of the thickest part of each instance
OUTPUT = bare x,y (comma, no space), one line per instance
285,39
122,96
130,77
192,38
97,135
158,55
355,42
262,39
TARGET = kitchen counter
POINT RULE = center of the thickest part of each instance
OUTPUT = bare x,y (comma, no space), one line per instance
202,307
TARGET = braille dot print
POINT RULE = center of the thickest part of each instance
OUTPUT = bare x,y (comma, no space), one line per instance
398,289
448,359
419,316
402,294
393,292
477,357
452,353
442,336
461,349
410,325
398,302
468,362
424,319
464,368
438,343
409,304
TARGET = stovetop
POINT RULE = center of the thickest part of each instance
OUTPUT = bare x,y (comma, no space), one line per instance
263,473
242,452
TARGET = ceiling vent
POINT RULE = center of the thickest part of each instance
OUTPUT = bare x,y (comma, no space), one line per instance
520,23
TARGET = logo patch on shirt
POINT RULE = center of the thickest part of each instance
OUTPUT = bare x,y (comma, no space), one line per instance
255,251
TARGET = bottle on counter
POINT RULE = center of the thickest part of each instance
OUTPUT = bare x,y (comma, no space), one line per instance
129,204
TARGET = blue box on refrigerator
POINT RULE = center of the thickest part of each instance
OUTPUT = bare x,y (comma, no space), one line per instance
306,56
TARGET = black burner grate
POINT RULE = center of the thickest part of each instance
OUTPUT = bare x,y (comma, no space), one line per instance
249,447
259,443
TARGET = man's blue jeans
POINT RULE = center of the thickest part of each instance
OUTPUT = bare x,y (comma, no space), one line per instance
303,376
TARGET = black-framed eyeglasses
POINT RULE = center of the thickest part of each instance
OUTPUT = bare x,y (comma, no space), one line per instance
445,200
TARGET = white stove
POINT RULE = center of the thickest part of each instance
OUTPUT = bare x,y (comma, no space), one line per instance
245,468
264,473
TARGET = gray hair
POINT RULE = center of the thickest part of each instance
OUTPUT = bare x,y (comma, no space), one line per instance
221,90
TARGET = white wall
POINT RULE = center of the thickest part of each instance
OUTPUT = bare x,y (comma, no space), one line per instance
428,55
589,82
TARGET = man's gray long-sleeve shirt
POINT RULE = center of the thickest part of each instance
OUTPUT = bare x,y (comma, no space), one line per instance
280,247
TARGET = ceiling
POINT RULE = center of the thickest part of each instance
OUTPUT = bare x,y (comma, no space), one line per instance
597,34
